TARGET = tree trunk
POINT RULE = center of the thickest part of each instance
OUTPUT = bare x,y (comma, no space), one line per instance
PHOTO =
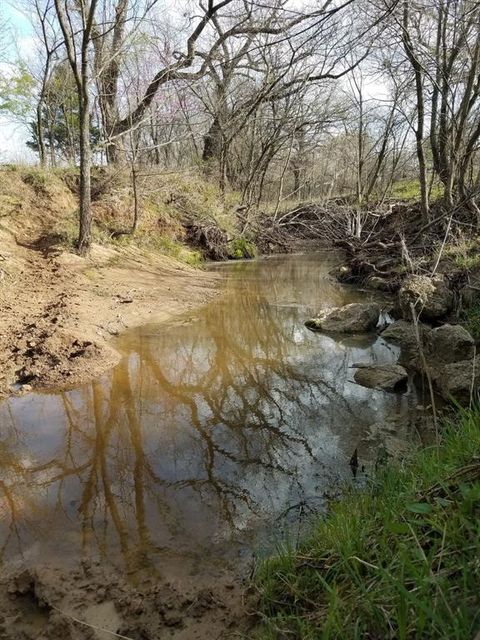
84,237
419,131
40,140
213,142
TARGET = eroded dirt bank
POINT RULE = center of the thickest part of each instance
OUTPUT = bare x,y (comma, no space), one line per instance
59,311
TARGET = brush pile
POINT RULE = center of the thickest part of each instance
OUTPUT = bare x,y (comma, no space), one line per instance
382,243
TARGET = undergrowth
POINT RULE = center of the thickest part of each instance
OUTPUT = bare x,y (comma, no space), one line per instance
466,255
243,248
399,560
471,320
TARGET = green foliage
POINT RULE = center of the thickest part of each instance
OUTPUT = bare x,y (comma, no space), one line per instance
60,117
163,244
398,560
16,91
242,248
465,254
178,251
468,262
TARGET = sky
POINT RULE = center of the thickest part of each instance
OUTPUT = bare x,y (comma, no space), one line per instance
16,38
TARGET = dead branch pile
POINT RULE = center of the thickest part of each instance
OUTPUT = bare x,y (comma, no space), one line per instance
381,242
208,238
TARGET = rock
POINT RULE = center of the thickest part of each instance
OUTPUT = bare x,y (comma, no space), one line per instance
459,380
429,294
172,619
342,273
358,317
403,334
387,377
451,343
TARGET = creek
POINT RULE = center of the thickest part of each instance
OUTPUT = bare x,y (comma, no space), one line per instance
216,435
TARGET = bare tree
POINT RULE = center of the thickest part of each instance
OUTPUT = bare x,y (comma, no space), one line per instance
78,38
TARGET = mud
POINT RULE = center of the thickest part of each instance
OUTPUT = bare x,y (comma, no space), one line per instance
59,312
92,602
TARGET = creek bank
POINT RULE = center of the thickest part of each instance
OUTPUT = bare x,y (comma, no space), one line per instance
427,329
60,312
444,354
395,559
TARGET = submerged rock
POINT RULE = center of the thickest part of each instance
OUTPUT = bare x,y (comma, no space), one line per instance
430,296
358,317
459,381
387,377
452,343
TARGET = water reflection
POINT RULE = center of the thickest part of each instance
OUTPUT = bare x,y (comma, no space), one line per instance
206,432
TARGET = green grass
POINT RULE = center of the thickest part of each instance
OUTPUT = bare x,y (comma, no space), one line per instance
471,320
177,250
409,190
37,178
241,247
398,560
465,253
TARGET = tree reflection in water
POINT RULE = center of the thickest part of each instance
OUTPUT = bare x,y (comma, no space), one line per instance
206,431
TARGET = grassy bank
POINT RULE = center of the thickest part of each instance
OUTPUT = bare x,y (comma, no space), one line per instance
178,214
399,560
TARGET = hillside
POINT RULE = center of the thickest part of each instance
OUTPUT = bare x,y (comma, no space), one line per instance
59,310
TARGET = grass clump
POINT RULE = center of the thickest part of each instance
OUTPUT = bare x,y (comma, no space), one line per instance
471,320
465,254
242,248
37,178
174,249
399,560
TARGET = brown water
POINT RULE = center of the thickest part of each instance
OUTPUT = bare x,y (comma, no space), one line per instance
214,434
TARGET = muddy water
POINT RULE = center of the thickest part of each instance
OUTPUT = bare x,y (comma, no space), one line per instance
213,434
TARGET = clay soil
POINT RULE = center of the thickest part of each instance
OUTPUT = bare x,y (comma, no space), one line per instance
58,311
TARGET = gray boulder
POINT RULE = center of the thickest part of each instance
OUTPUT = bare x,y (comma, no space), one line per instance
403,334
387,377
459,380
358,317
451,343
430,296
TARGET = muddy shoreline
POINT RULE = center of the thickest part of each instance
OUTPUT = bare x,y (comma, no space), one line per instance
94,601
59,312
